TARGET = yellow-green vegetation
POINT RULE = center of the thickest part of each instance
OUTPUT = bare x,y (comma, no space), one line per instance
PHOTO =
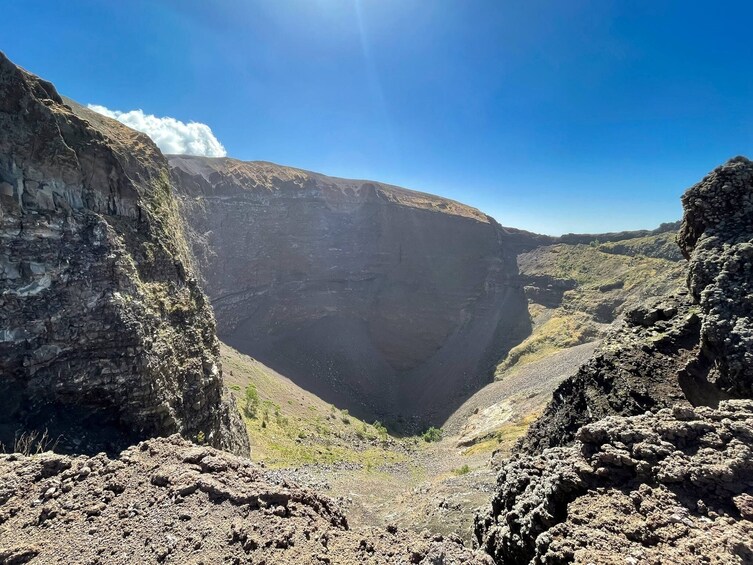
163,208
464,470
251,401
592,268
289,427
608,280
432,434
505,436
660,245
560,331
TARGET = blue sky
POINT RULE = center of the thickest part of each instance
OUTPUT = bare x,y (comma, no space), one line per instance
554,116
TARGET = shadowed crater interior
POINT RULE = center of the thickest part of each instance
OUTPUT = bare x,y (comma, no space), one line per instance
391,303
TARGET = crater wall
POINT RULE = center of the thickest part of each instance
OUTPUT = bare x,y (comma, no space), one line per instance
390,302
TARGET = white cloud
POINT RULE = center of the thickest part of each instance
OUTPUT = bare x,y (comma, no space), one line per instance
170,135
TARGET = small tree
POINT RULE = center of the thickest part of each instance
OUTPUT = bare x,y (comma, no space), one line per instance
432,434
252,401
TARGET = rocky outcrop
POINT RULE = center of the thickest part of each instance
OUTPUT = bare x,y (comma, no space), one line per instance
392,303
695,348
546,290
105,336
670,487
651,487
638,367
169,501
717,236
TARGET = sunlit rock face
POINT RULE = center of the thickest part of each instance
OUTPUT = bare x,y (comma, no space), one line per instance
105,337
389,302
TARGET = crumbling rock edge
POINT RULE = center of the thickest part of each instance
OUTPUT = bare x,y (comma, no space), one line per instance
670,487
105,336
167,500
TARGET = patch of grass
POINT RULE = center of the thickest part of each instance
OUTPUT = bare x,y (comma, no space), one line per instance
32,443
251,401
505,436
607,282
464,470
559,332
290,427
662,245
592,268
380,429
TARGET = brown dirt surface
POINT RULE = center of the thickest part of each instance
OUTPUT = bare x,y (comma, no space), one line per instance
169,501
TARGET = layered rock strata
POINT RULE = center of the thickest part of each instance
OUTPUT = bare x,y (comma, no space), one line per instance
105,336
392,303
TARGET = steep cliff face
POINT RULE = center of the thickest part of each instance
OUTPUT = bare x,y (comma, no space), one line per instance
104,335
392,303
669,478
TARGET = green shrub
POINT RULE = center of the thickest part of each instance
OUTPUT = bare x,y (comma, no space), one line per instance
252,401
432,434
380,429
464,470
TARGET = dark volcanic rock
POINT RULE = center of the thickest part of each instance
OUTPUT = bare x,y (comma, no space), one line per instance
546,290
169,501
639,367
389,302
671,487
717,236
104,335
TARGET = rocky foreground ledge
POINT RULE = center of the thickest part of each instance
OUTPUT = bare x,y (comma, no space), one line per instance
671,487
169,501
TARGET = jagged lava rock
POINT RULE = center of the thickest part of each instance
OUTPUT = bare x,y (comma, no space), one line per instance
670,487
169,501
675,486
640,366
717,236
105,336
392,303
